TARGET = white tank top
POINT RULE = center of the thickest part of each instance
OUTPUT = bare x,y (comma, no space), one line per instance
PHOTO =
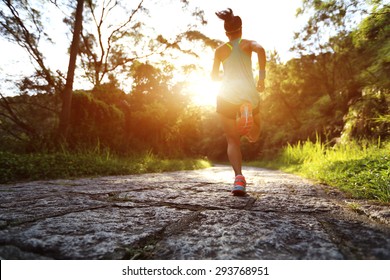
238,85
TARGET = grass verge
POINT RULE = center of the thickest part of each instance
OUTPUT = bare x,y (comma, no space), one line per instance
64,165
361,170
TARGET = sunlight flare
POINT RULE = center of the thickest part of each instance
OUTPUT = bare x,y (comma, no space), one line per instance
203,90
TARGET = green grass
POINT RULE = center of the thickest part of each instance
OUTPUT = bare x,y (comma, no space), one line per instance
361,170
42,166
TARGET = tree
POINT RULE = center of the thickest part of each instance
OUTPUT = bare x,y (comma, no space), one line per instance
155,107
102,122
369,115
21,23
102,55
67,93
345,61
104,59
325,39
27,122
371,42
119,36
328,18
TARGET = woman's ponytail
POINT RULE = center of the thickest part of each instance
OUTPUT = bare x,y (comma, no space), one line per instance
232,23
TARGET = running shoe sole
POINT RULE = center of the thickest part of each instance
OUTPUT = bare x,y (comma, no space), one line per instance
239,191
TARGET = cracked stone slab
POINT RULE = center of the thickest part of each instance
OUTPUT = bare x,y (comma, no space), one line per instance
250,235
215,196
256,235
38,207
18,254
358,239
294,204
188,215
375,211
92,234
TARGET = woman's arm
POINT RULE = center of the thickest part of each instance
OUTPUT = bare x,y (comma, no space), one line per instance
215,76
257,48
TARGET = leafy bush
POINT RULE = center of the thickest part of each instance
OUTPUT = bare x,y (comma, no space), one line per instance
362,170
39,166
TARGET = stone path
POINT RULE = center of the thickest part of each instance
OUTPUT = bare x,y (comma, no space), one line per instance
189,215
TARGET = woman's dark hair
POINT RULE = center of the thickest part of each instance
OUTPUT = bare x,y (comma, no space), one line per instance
232,23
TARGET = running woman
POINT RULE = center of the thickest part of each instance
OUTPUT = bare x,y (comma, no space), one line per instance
238,98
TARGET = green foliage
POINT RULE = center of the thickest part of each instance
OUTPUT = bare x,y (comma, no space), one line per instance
300,103
369,116
361,170
372,43
303,152
117,33
161,116
368,177
94,121
27,123
327,19
339,85
337,88
40,166
212,142
193,35
22,22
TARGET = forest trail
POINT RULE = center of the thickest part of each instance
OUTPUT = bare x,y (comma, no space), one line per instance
189,215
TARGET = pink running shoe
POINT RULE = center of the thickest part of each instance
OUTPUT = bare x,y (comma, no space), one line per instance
239,186
245,120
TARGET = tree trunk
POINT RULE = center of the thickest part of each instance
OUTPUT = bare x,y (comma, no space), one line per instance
67,93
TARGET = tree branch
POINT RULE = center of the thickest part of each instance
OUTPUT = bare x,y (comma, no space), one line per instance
113,33
13,116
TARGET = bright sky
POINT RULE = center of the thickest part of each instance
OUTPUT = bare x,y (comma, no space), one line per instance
272,23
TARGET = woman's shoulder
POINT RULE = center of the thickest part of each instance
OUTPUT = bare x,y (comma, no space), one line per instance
250,45
223,45
247,42
223,49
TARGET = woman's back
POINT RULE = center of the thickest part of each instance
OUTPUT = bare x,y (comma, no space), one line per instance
238,84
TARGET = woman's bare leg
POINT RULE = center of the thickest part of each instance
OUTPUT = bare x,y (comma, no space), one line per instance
233,143
254,134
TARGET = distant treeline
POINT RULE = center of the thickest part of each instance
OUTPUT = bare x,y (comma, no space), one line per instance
337,90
